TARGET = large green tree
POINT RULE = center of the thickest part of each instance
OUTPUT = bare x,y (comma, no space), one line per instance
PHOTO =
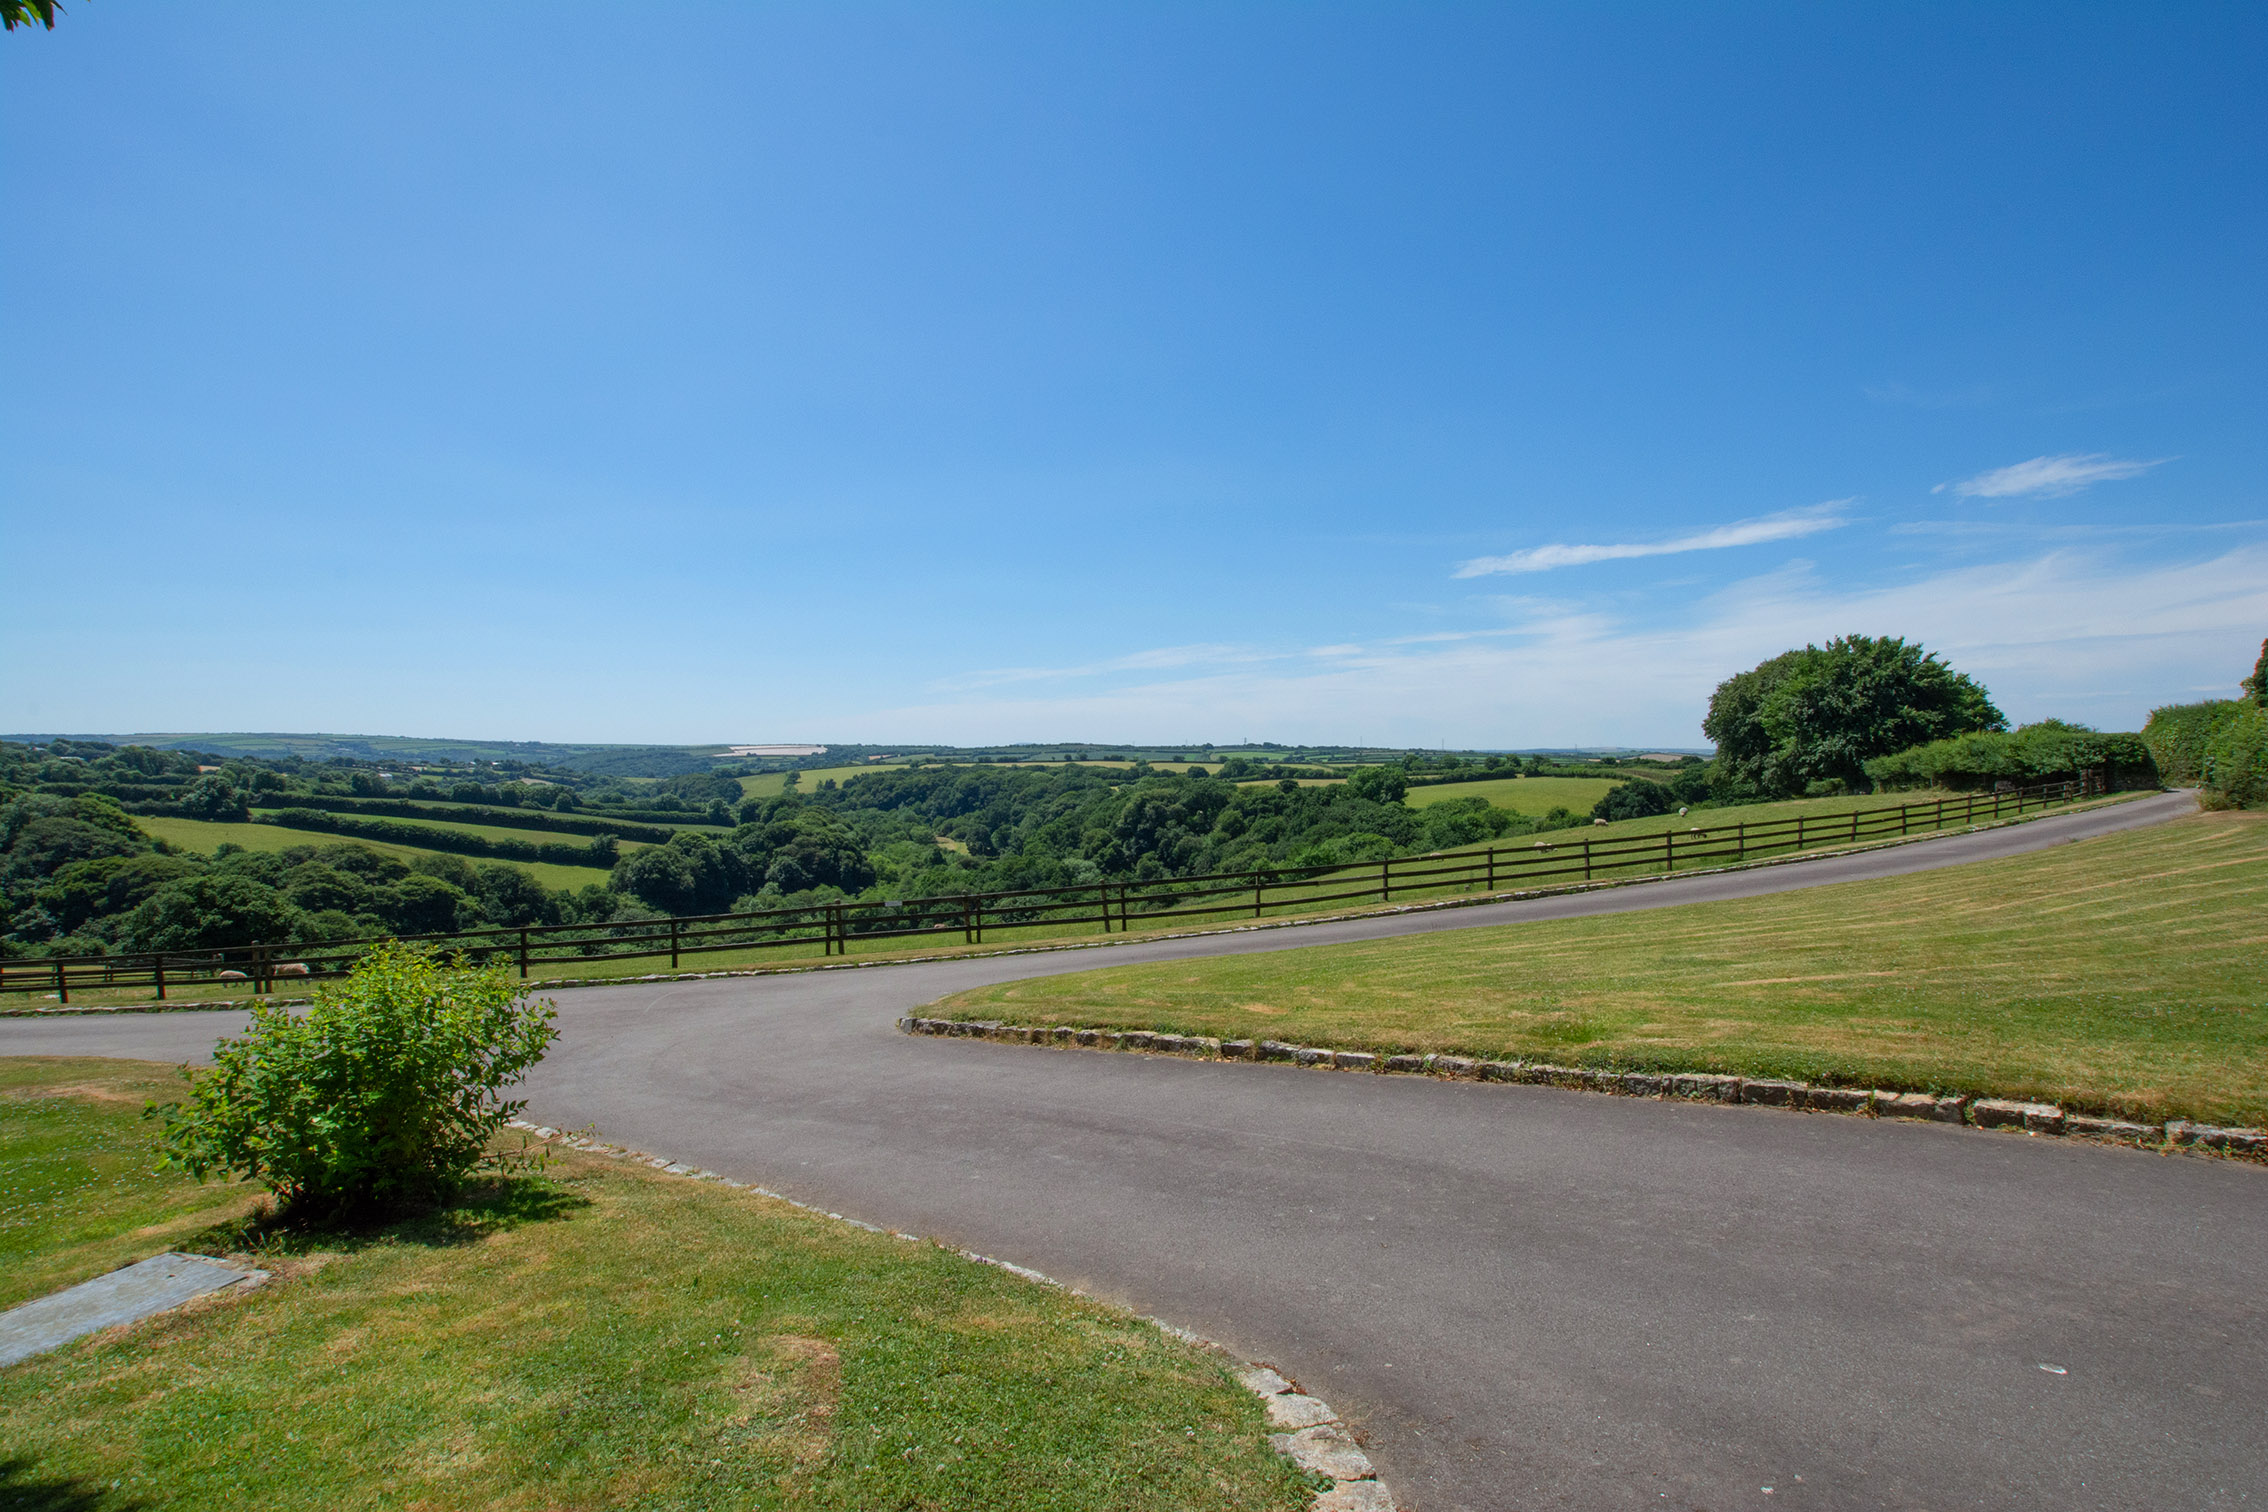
2256,686
1816,716
15,13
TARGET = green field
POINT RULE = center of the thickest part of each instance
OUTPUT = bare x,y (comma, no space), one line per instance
1533,796
596,1335
772,784
505,832
2127,973
204,836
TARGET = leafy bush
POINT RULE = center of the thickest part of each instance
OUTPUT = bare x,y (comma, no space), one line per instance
1633,800
213,797
2236,760
383,1096
209,911
2050,751
2178,734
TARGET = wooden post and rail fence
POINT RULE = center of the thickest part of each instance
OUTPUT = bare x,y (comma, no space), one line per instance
1558,858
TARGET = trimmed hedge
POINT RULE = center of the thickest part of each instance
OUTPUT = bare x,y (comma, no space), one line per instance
2236,759
601,851
2050,751
2178,734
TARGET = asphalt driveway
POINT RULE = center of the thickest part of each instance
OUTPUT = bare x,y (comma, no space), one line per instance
1529,1298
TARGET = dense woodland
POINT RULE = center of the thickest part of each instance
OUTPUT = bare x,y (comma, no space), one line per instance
79,875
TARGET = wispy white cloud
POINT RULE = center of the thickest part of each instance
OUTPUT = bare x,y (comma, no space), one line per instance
1158,659
2049,477
2082,635
1785,526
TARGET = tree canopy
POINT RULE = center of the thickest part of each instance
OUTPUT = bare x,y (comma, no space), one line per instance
15,13
1812,718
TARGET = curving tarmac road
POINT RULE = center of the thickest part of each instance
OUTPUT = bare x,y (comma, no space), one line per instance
1530,1298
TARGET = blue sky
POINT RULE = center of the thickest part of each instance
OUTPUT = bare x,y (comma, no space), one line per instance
1475,375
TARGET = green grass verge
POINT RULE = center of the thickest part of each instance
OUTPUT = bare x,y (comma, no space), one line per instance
77,1194
597,1335
2127,973
205,836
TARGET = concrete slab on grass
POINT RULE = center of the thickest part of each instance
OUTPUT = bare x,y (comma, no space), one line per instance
141,1290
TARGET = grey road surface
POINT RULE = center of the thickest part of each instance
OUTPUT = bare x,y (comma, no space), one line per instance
1528,1298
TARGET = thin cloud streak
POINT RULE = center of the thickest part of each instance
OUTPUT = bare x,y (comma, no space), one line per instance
1161,658
2078,635
2050,477
1785,526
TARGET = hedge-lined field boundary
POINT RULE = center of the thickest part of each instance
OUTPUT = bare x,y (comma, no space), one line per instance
600,851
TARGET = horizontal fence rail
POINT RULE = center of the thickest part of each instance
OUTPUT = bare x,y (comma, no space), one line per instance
1558,858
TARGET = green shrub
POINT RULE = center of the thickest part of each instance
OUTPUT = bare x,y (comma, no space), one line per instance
383,1096
2236,760
1633,800
2049,751
2178,734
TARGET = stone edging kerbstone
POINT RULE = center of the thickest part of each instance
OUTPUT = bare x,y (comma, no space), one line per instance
1314,1438
1795,1096
1301,921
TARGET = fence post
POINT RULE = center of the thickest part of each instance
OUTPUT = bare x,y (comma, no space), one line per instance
1799,832
1854,826
976,918
1491,869
523,952
968,922
157,970
1669,850
1740,840
1259,881
673,943
1586,860
62,983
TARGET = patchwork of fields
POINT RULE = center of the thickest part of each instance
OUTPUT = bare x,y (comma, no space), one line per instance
204,836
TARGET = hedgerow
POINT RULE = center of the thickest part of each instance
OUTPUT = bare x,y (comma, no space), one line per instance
2049,751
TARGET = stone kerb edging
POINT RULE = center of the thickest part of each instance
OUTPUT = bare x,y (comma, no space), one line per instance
1967,1108
1316,1440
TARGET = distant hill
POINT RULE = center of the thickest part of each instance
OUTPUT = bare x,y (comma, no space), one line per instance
609,760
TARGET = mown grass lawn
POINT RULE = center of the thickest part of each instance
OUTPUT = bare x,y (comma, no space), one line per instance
2127,973
595,1335
78,1196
